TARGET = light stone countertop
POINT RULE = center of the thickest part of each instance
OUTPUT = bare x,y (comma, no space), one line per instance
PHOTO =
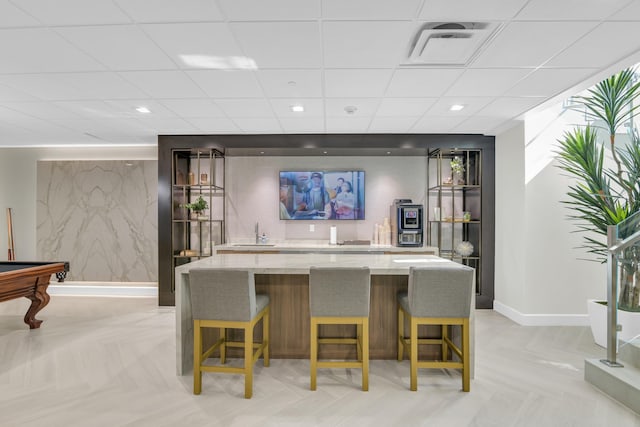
318,246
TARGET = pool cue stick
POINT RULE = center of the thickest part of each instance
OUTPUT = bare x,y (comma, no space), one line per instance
12,253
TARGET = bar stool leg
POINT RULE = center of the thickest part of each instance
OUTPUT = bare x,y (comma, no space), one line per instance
413,354
314,352
400,334
248,361
265,338
365,353
466,371
445,346
223,345
359,343
197,357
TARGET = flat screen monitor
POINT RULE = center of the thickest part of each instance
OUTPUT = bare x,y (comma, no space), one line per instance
315,195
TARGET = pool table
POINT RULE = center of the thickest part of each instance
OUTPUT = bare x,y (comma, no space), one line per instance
30,280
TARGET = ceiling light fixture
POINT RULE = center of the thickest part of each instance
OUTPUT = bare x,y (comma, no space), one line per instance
297,108
350,109
219,62
456,107
143,110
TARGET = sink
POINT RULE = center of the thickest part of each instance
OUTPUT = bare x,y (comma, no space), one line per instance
253,244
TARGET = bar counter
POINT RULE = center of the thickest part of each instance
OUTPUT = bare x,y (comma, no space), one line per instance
285,278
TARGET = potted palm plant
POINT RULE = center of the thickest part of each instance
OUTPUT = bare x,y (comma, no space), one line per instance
606,191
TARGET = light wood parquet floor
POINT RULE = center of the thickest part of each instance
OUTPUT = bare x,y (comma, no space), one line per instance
111,362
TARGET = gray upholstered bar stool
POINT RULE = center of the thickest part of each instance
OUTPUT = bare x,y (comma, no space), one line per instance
438,295
340,296
226,299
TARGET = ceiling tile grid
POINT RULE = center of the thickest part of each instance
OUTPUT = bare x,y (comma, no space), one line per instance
76,71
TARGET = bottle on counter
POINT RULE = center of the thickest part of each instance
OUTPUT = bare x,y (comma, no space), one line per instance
376,232
386,232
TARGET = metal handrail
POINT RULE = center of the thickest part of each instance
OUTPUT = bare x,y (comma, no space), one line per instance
615,247
624,244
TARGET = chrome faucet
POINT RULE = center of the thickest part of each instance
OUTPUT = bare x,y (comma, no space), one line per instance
257,233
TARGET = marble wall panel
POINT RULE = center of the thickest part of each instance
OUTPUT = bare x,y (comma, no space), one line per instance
101,216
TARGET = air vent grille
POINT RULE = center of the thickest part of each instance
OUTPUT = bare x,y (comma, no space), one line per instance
449,43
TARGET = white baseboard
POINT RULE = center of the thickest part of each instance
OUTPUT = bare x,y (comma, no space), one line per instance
541,319
104,289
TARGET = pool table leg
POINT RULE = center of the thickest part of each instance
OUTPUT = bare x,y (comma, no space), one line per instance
39,299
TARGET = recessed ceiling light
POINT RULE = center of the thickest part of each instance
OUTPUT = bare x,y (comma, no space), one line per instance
291,83
262,152
143,110
297,108
350,109
324,152
456,107
388,152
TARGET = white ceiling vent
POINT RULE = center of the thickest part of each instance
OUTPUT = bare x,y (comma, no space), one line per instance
449,43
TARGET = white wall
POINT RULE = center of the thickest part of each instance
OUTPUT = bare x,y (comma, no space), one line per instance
252,194
510,245
540,278
18,173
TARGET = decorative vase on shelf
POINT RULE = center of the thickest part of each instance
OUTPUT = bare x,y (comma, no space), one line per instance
464,249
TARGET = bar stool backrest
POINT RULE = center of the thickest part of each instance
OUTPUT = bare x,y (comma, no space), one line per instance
222,294
339,291
440,290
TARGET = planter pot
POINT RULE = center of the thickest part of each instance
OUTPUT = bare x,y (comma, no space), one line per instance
630,322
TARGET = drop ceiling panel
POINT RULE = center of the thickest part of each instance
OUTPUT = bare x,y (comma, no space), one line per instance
10,94
40,110
103,85
205,39
478,124
471,105
365,44
227,84
419,82
335,107
11,16
370,9
104,43
193,108
302,125
38,50
347,124
549,81
605,44
392,124
215,125
90,109
273,10
404,107
258,125
280,44
127,108
485,82
529,44
312,107
164,84
171,10
249,107
356,83
291,83
510,107
435,124
470,10
74,12
629,12
166,126
567,10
